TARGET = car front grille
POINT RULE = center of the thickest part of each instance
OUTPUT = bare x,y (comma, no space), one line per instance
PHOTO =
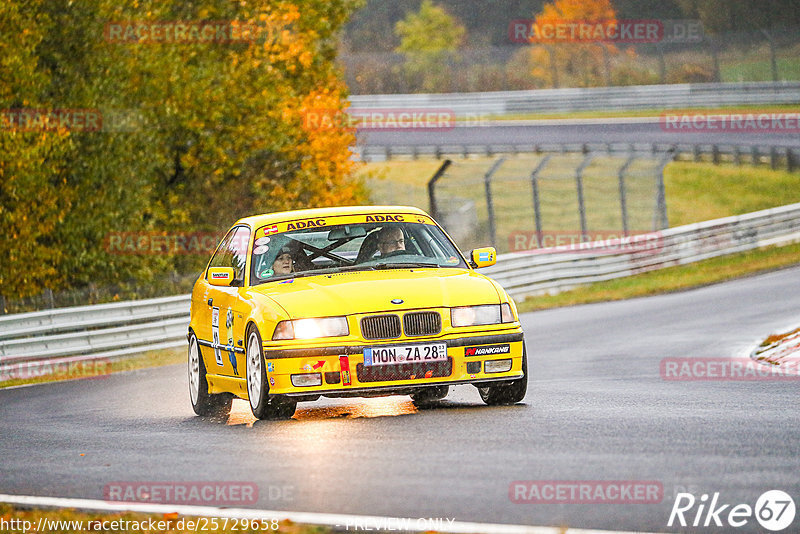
380,327
404,371
422,323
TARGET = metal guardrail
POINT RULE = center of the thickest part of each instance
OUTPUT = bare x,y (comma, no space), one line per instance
33,343
42,339
590,99
530,273
774,156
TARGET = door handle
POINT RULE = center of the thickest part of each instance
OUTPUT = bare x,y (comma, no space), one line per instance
210,302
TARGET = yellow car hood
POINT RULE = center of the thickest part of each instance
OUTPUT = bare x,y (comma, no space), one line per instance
372,291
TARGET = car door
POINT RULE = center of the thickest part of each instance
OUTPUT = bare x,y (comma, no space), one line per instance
222,332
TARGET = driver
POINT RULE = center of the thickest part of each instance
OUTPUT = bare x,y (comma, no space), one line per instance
391,239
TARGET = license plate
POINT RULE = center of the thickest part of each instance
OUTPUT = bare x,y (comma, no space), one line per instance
399,354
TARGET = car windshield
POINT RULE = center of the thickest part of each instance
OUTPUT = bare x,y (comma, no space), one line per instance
349,247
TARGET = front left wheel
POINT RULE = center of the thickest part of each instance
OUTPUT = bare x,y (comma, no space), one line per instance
204,403
264,407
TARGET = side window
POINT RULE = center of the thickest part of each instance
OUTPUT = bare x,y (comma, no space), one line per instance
232,252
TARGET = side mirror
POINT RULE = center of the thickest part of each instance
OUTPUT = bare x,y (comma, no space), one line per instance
483,257
220,276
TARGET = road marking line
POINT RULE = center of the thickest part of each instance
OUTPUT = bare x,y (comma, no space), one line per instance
309,518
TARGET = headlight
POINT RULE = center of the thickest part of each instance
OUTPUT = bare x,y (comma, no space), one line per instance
311,328
475,315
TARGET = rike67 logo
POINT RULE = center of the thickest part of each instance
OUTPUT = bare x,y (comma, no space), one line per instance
774,511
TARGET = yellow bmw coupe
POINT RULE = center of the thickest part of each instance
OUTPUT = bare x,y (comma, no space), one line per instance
348,302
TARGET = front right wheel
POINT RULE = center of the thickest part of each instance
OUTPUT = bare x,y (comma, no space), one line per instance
264,407
510,392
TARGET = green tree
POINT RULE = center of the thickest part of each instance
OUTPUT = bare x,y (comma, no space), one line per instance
429,40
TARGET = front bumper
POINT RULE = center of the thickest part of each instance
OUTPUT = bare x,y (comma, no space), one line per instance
342,372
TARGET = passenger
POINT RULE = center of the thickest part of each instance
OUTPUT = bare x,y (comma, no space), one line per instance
283,264
391,239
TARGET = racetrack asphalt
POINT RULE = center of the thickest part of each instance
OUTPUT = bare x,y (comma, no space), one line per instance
597,409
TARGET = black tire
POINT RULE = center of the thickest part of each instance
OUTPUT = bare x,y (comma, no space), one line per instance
264,405
510,392
430,395
204,403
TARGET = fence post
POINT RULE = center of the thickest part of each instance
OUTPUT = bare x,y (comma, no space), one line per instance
432,188
662,64
789,159
772,57
537,213
487,184
48,295
715,154
661,198
773,157
579,185
622,198
553,66
756,157
3,305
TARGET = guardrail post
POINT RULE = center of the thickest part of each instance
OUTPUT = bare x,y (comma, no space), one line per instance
579,186
487,184
432,188
537,213
622,198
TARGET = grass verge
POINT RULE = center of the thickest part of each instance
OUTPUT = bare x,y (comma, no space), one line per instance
677,278
655,112
68,521
98,368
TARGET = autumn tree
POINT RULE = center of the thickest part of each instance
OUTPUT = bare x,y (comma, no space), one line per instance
217,129
582,63
429,40
33,193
